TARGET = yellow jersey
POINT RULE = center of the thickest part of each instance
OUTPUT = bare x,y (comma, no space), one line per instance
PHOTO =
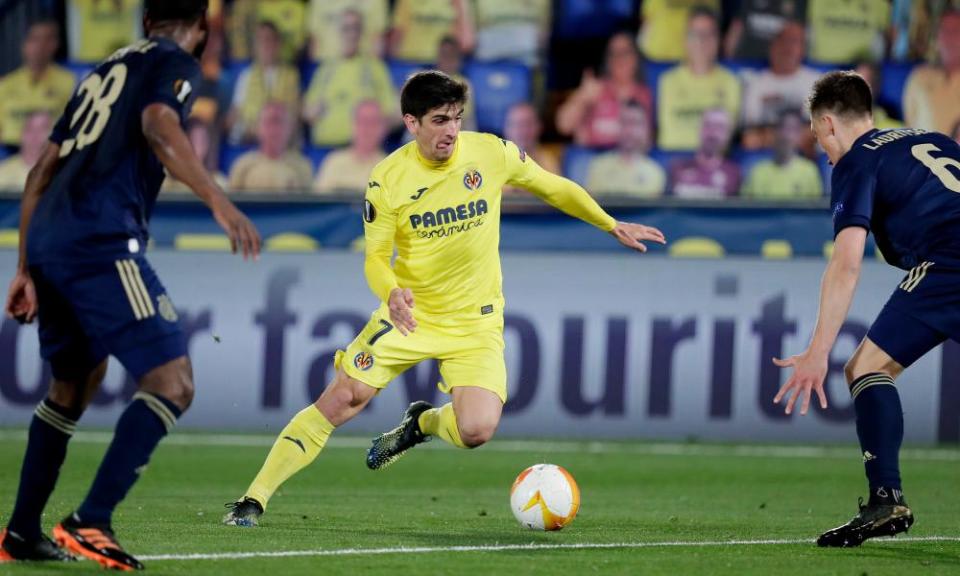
843,31
20,97
665,25
796,180
682,99
97,28
443,218
325,25
423,24
340,85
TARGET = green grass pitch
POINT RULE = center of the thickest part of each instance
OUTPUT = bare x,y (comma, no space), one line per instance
674,496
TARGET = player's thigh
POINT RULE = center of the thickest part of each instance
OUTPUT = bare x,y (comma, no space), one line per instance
475,361
126,308
896,340
78,362
380,352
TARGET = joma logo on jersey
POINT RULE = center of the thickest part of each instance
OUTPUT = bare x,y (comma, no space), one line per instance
449,215
472,180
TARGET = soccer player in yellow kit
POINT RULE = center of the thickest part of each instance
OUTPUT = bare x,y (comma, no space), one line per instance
437,202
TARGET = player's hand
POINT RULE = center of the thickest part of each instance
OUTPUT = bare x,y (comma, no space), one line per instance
401,310
630,235
243,234
22,299
809,371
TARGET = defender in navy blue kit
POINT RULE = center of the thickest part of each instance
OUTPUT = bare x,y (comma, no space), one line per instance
83,235
904,186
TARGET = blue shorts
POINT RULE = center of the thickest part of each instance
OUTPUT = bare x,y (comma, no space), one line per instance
922,313
93,310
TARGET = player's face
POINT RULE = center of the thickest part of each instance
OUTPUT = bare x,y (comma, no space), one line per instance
436,132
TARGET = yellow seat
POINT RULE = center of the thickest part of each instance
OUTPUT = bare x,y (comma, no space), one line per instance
9,238
696,247
828,249
776,250
202,242
292,242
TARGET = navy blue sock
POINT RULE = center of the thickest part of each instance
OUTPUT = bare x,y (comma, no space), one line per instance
50,431
880,429
142,425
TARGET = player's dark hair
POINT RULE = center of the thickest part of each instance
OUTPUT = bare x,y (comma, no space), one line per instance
430,89
175,10
843,93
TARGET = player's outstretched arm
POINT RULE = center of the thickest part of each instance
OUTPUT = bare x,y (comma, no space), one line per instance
836,294
22,298
161,127
569,197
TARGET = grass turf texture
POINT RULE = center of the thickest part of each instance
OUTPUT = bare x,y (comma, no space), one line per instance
438,497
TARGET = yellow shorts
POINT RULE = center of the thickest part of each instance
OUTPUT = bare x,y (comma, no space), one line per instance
467,356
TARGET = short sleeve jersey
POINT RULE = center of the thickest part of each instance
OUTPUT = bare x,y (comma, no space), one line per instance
904,186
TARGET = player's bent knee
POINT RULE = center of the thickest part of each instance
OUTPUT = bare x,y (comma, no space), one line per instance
77,394
475,434
173,381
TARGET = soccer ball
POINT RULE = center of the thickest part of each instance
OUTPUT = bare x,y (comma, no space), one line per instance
545,497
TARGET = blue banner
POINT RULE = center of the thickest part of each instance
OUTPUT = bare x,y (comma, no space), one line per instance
733,229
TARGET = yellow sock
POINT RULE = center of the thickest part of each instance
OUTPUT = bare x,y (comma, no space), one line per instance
298,444
442,422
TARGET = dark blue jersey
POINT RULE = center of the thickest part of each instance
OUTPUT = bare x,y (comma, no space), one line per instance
99,202
904,186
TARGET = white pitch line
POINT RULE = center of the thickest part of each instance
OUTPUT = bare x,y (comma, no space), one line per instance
511,548
544,446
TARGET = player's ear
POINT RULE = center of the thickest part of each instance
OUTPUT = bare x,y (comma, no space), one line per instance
831,127
412,123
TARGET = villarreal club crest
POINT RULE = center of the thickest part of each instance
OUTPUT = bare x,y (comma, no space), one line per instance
472,180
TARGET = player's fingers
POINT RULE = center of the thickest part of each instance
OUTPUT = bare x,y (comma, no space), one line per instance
806,402
783,391
233,240
793,400
652,233
398,322
822,396
247,236
785,363
408,297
